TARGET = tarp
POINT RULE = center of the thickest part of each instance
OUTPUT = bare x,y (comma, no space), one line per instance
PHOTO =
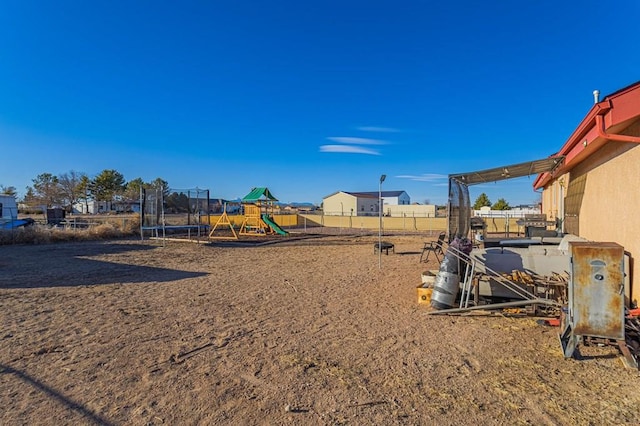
459,202
509,172
259,194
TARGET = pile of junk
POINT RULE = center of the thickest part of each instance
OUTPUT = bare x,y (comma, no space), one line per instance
580,285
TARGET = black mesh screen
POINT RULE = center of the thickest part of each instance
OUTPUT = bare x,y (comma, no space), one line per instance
459,209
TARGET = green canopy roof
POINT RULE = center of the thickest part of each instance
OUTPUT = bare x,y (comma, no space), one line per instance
259,194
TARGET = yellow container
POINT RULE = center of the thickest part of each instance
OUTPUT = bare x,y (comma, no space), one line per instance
424,295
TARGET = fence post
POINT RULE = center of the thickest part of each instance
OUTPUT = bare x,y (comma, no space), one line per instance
404,221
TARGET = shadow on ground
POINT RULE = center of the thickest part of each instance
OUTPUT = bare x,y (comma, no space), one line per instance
21,267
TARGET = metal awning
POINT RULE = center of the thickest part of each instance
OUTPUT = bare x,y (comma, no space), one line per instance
509,172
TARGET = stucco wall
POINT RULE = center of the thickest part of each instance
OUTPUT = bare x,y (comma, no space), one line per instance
332,205
429,225
610,204
553,197
418,210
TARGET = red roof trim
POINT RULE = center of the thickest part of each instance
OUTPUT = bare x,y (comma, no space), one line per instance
616,108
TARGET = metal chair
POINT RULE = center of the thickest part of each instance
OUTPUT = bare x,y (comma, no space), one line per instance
435,247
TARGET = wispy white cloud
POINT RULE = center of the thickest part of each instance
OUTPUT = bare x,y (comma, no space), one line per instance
378,129
426,177
356,141
348,149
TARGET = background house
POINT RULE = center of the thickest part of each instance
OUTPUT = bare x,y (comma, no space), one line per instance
97,207
394,203
217,205
594,192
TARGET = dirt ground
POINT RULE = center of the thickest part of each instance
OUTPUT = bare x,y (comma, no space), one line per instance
303,331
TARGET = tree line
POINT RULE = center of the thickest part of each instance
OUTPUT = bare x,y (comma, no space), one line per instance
483,201
66,189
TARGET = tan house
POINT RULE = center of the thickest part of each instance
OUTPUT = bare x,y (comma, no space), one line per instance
343,203
594,192
394,204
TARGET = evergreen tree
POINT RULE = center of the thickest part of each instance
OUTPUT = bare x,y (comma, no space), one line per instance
481,201
501,204
8,190
83,189
132,190
158,183
30,197
107,185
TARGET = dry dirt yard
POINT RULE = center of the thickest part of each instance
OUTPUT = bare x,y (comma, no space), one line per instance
305,332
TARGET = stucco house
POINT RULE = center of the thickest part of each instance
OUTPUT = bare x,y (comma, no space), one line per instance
594,191
362,203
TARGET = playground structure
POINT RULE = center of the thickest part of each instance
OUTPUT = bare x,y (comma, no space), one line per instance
223,221
258,214
180,214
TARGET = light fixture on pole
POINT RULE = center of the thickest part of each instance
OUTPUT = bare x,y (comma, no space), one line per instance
382,178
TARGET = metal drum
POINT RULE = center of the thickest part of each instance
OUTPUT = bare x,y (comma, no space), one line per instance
445,290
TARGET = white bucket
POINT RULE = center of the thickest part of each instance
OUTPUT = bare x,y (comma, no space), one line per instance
429,278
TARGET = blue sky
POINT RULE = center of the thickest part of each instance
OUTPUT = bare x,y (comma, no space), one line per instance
306,98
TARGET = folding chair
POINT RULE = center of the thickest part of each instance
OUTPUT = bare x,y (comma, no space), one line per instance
434,247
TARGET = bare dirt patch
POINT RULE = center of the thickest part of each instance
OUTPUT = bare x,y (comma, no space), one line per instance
305,331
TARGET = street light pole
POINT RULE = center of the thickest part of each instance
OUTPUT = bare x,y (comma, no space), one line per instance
382,178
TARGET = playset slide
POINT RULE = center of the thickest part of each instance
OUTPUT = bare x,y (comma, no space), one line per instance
273,225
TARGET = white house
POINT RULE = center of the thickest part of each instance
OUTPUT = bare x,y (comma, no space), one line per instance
96,207
344,203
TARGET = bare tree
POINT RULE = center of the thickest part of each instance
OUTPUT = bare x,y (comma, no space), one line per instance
71,187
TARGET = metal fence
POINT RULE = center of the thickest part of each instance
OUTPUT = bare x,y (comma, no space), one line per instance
519,213
375,214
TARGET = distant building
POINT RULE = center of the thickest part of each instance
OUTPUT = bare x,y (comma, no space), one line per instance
102,207
342,203
217,205
299,208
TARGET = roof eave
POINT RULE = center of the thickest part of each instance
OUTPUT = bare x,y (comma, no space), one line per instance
614,109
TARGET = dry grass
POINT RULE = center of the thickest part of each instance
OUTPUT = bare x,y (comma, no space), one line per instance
42,234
